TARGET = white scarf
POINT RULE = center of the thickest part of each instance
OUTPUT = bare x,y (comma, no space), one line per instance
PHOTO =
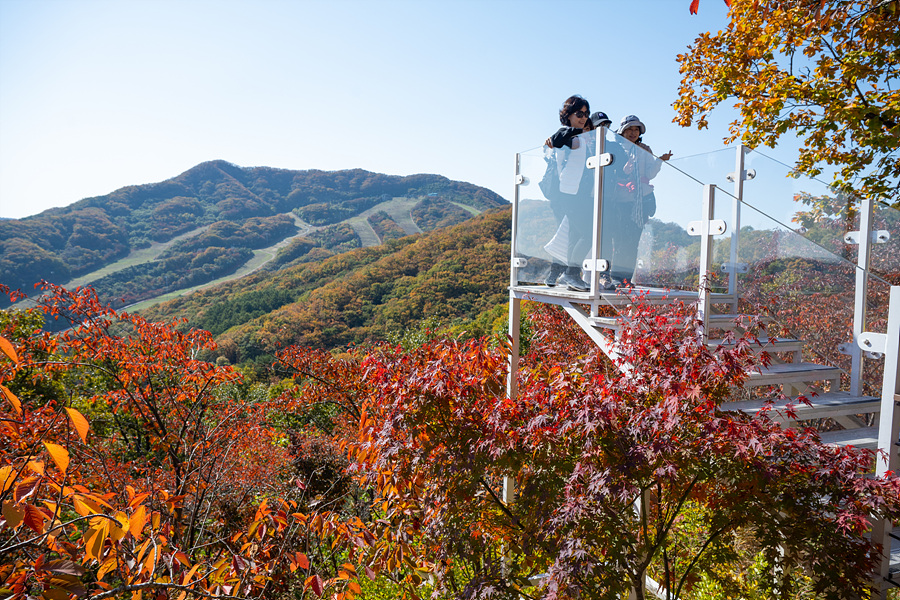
570,173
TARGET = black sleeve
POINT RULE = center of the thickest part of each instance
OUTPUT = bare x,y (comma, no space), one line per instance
563,137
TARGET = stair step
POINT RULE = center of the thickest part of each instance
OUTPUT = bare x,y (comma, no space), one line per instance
862,437
792,373
829,404
768,344
733,320
717,321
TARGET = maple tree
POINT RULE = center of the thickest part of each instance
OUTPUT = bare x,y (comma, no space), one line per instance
129,466
826,70
585,445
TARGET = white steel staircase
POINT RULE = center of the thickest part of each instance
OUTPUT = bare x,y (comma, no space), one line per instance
851,390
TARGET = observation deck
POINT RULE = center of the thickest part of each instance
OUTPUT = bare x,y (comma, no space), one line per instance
738,234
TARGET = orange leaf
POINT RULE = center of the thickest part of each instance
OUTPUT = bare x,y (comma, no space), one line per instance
108,565
7,477
190,575
354,587
12,399
8,350
59,455
79,423
34,518
137,522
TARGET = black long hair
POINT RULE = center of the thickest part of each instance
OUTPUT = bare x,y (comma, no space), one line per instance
572,105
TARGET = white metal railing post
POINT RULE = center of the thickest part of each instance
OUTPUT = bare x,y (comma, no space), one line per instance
593,265
739,175
861,291
888,422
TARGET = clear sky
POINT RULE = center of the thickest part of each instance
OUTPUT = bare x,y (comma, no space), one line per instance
99,94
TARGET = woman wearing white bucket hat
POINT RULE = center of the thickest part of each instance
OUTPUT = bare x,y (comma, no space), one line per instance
634,201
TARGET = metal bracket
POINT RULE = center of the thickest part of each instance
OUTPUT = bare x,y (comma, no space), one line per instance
738,267
602,265
873,343
716,227
878,237
847,347
522,180
519,262
603,160
748,175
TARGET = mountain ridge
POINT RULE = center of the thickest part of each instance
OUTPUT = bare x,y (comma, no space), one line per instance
264,206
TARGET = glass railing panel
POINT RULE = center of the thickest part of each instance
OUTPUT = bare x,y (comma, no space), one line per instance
724,261
650,199
884,257
807,205
807,290
554,227
710,167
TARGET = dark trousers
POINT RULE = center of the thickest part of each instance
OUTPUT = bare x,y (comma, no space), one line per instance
621,236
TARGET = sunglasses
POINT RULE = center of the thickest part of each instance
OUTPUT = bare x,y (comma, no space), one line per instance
582,114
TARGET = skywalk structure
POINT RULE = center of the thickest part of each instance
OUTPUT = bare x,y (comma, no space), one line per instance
733,230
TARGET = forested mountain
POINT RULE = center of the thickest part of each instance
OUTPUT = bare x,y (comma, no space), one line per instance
214,218
454,276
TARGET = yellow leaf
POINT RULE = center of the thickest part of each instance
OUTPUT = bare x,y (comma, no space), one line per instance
8,350
79,423
85,506
7,477
13,513
12,399
117,530
59,455
37,466
93,542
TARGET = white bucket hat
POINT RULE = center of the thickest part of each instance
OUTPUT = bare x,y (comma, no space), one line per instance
631,121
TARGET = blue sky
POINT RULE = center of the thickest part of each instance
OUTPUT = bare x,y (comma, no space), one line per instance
99,94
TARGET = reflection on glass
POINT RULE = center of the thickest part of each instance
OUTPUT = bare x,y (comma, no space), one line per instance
646,208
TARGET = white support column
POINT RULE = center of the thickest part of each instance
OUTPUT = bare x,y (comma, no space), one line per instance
509,484
889,423
862,287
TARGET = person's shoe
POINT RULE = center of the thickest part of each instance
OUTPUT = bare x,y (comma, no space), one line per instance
606,283
576,284
555,272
